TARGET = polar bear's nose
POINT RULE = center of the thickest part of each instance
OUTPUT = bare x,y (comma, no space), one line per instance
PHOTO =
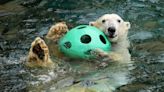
111,30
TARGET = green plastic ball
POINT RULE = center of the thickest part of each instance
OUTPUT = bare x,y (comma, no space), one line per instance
79,41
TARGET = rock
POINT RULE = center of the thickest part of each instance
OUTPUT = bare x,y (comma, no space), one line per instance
151,25
30,3
4,13
153,47
4,1
12,6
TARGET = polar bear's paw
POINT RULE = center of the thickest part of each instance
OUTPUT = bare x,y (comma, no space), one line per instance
57,31
39,54
106,56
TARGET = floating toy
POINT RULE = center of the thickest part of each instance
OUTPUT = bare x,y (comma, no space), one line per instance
81,40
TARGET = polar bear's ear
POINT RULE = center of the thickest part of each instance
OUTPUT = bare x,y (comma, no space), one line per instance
92,23
128,25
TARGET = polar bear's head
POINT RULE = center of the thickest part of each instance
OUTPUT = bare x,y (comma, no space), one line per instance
114,27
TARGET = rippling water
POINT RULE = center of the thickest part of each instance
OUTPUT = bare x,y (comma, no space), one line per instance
21,21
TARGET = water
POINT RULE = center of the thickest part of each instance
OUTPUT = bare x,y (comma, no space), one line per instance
21,21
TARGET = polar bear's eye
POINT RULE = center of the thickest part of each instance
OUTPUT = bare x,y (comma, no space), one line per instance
118,21
103,21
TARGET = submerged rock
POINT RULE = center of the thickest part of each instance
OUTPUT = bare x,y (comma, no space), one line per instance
4,1
30,3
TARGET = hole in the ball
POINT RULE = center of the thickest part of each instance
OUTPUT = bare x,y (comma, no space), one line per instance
81,27
102,39
67,45
85,39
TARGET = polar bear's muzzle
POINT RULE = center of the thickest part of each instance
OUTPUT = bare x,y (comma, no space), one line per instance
111,32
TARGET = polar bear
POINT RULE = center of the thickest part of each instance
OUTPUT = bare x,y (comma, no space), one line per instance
114,27
116,30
